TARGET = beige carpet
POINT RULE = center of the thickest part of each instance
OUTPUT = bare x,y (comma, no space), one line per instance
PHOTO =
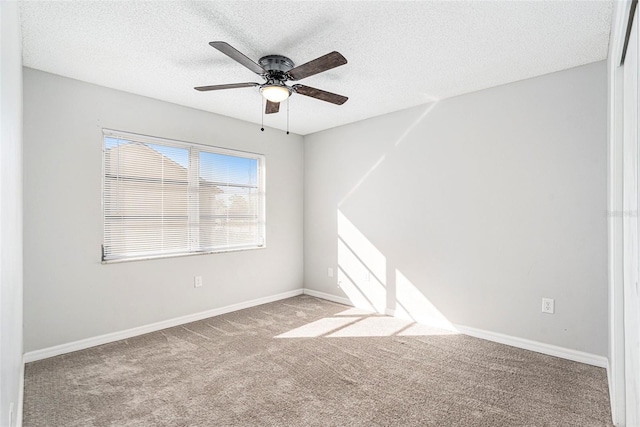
309,362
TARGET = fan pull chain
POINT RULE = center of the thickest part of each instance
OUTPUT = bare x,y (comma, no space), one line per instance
262,111
288,100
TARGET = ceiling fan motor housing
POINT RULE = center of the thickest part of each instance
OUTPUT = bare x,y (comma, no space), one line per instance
276,66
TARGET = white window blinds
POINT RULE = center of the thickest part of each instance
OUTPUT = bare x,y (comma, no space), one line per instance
167,198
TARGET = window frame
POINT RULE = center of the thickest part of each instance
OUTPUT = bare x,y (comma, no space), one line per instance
194,217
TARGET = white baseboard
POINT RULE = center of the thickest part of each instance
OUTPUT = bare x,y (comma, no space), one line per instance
44,353
328,297
539,347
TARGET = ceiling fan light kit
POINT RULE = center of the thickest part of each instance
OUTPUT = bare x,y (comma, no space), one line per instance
275,92
276,70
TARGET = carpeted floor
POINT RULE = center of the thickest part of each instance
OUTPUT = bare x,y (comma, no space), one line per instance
309,362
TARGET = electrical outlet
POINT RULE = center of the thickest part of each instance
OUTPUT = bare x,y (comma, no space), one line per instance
548,305
197,281
330,272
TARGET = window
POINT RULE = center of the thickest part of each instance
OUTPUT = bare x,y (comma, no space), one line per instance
167,198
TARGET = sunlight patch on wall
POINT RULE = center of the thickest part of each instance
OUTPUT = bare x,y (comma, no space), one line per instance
412,304
362,268
361,297
352,272
362,276
370,256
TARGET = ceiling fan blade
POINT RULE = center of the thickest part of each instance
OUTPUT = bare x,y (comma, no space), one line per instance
227,86
322,95
318,65
236,55
272,107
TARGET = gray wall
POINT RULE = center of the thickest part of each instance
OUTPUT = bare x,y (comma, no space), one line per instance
471,210
69,295
10,212
468,210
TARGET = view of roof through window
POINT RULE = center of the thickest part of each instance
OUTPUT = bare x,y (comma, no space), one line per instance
213,166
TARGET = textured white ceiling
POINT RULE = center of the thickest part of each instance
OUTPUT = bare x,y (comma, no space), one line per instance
400,54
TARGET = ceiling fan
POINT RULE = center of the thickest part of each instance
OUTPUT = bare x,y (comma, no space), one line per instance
276,70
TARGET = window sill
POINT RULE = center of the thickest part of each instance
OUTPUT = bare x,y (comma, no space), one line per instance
180,255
